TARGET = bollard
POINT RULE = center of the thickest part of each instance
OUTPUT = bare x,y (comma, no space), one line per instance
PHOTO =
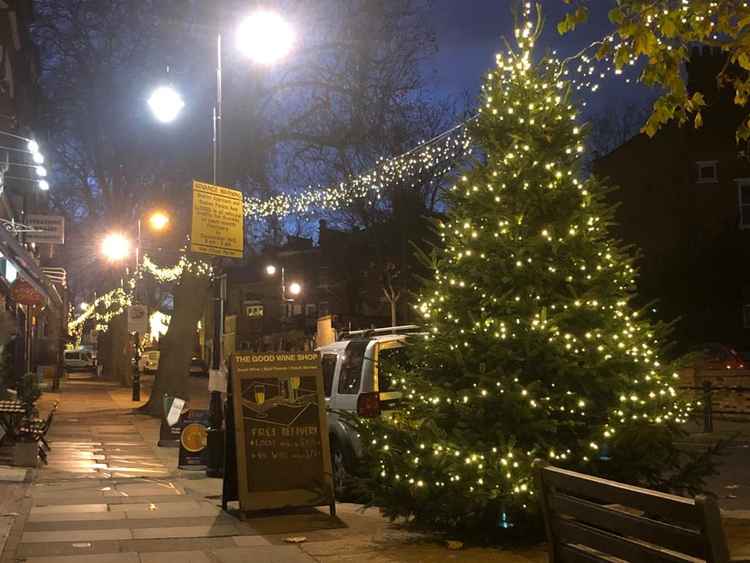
708,417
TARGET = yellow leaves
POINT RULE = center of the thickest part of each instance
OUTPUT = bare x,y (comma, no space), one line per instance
572,19
744,59
669,27
698,120
645,43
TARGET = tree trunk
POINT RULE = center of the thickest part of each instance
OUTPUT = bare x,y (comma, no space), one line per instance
176,347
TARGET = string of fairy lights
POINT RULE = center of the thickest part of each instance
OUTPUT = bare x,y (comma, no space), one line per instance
435,157
116,301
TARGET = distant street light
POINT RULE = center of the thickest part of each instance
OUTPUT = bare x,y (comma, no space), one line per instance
43,185
158,221
265,37
38,158
271,270
115,247
166,104
295,288
33,146
41,171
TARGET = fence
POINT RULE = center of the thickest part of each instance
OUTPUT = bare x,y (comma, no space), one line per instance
721,393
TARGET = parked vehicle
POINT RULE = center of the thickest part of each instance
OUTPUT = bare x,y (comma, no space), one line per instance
78,360
198,367
353,383
714,356
149,361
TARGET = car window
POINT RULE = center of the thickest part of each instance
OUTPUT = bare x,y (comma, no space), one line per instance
73,355
351,369
329,368
389,361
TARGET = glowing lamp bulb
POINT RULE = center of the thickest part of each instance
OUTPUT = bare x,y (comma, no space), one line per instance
265,37
166,104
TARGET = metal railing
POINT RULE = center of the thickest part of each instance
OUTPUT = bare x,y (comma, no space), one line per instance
721,400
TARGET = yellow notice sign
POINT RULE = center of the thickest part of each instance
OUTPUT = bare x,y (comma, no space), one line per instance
218,221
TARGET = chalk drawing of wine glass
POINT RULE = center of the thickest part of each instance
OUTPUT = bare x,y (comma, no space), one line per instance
294,383
259,392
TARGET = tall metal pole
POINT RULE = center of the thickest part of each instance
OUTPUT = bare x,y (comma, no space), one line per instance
215,434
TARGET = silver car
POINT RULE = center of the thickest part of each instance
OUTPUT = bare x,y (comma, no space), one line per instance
352,384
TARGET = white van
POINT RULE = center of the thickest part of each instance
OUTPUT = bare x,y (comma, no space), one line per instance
78,360
353,384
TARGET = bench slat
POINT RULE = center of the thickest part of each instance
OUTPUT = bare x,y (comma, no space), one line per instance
611,492
570,532
670,536
574,554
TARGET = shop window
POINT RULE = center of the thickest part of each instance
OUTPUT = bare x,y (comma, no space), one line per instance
708,172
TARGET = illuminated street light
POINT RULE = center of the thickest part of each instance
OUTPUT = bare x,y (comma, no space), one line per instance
265,37
158,220
271,270
41,171
32,146
166,104
115,247
43,185
38,158
295,288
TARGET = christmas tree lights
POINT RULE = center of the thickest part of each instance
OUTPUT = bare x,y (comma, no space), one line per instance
532,348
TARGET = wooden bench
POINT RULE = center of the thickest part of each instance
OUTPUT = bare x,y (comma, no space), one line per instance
589,519
36,429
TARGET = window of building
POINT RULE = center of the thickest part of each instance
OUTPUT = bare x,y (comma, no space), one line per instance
328,363
743,199
310,310
746,316
708,172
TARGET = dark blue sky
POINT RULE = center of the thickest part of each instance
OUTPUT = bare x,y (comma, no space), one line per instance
469,33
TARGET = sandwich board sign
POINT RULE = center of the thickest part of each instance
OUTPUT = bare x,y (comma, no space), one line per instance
218,221
282,452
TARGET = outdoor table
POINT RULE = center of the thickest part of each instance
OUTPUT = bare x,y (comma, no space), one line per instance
11,414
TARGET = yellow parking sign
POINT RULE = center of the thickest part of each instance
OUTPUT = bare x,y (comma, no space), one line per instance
218,221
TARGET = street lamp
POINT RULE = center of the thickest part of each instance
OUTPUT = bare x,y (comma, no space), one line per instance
166,104
265,37
115,247
295,288
271,270
158,221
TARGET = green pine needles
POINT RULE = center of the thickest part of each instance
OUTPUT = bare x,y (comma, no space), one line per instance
532,347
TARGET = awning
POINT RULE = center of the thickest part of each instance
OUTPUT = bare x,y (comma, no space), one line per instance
29,269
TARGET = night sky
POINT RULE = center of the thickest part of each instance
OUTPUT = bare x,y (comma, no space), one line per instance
470,32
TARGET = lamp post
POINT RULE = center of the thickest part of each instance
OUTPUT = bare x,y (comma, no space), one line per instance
265,38
293,289
116,248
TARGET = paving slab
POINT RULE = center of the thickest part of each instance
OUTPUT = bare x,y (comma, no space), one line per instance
75,517
275,554
76,536
250,541
13,474
184,520
176,544
102,558
184,532
176,557
185,506
67,508
6,523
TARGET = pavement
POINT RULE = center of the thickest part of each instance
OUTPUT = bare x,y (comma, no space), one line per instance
109,495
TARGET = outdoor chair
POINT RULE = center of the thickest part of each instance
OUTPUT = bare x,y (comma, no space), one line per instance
592,519
36,429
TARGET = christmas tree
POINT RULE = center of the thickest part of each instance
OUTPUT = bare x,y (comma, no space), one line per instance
532,348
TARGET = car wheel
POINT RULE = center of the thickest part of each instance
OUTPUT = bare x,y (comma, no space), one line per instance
339,467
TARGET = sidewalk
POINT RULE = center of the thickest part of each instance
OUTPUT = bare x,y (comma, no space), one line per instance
109,495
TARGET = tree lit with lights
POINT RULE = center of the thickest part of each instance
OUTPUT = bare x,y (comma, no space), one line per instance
532,348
